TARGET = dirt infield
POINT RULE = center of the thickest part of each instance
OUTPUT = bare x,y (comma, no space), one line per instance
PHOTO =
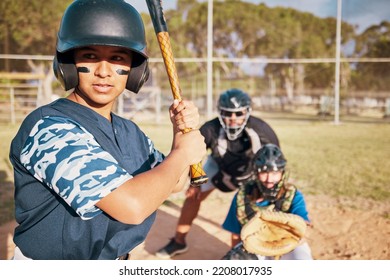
342,230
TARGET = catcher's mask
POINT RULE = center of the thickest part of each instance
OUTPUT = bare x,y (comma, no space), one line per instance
234,104
268,159
105,23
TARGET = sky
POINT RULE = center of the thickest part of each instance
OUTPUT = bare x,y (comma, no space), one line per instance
362,13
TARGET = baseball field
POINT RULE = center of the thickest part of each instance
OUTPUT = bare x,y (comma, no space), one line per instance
343,169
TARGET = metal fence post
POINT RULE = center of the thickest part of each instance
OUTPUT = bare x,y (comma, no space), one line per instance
12,103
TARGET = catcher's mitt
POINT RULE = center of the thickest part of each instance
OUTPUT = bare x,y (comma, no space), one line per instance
271,233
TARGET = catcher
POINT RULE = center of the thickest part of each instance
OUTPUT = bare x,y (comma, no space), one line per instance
268,215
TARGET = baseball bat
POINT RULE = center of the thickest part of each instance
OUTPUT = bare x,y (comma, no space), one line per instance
198,176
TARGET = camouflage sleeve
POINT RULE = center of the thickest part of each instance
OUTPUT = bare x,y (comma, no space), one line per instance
155,156
66,158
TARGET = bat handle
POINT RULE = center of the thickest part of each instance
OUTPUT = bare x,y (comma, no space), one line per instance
198,176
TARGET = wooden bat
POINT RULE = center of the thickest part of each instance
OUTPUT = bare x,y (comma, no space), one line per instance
198,176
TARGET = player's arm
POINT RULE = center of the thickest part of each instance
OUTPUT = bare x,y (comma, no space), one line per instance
67,159
184,115
140,196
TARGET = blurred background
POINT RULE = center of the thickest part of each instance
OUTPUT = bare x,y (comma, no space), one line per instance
329,58
318,71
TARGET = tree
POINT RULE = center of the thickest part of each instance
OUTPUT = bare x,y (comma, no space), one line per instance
243,29
373,42
30,27
32,24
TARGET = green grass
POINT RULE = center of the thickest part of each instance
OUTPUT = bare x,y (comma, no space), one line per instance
350,159
7,132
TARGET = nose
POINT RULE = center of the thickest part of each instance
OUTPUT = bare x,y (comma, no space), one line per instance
268,177
233,118
103,69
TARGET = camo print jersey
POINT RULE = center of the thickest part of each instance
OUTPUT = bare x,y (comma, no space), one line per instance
65,157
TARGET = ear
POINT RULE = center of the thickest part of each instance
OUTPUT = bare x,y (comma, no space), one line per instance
65,71
138,75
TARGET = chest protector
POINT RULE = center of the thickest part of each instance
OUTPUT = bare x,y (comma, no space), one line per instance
233,159
248,194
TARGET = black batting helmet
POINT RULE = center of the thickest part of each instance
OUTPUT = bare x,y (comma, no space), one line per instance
101,22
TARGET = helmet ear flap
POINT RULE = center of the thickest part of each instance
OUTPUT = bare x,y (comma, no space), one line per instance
138,76
65,71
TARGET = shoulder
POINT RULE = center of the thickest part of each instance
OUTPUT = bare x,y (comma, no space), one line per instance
43,111
210,127
28,124
299,196
258,123
298,206
211,124
298,201
264,130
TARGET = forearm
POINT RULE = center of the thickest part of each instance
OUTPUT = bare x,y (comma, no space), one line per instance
139,197
184,181
235,239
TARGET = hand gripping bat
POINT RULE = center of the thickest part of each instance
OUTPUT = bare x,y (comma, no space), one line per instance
198,176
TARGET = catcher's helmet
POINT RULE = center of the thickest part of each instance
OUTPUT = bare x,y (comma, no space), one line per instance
233,101
101,22
269,158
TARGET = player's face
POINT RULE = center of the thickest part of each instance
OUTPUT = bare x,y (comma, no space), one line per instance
103,72
270,178
233,119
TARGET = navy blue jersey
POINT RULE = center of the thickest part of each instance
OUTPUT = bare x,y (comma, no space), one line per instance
66,158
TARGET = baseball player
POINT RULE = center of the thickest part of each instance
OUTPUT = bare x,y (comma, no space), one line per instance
269,187
88,182
232,138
